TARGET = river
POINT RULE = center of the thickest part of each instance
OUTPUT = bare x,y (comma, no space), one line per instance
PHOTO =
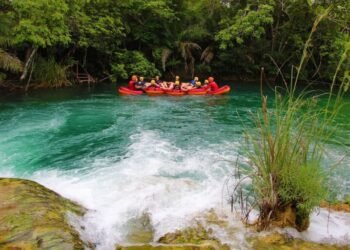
121,156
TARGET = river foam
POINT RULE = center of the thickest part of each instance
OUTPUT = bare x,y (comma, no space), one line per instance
171,184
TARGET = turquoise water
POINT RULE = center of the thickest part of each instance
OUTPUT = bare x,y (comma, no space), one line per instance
122,155
64,129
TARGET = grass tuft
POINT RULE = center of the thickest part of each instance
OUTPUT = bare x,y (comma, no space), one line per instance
48,73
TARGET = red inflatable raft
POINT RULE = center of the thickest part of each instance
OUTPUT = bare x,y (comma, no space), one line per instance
127,91
197,92
175,93
223,90
152,91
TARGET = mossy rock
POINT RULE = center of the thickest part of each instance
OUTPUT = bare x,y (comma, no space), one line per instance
190,235
34,217
276,241
196,235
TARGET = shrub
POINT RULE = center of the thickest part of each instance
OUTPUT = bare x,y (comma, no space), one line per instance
49,73
285,152
133,63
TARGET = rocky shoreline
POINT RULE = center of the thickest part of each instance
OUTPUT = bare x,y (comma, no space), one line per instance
34,217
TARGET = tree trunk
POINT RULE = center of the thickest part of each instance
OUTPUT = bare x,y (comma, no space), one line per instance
28,64
84,59
30,77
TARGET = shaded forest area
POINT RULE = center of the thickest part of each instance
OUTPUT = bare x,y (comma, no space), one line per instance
43,42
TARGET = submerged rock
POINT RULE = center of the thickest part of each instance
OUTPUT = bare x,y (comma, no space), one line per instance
195,236
34,217
190,238
139,229
190,235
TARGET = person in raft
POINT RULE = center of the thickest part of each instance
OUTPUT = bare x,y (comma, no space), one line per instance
177,78
205,85
198,85
185,86
194,81
212,85
132,82
158,81
141,84
167,86
162,84
177,86
153,85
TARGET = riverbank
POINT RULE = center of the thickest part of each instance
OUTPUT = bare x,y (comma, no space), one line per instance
17,87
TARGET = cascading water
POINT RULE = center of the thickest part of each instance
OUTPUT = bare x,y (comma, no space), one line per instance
124,156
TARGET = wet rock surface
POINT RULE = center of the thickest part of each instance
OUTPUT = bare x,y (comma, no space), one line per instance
139,230
34,217
191,238
339,206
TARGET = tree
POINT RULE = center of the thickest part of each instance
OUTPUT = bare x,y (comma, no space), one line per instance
248,23
228,38
39,24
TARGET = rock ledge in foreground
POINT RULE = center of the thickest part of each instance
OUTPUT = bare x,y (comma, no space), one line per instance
34,217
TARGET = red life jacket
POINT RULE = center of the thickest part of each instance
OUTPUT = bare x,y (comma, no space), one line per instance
132,85
213,86
152,88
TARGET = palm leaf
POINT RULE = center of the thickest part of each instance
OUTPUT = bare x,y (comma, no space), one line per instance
207,55
165,56
186,49
9,62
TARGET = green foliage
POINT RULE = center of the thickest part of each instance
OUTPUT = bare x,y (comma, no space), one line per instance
303,185
48,73
41,23
146,21
248,23
242,35
96,24
274,36
6,21
133,62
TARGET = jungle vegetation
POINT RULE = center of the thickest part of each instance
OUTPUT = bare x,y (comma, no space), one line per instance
42,41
